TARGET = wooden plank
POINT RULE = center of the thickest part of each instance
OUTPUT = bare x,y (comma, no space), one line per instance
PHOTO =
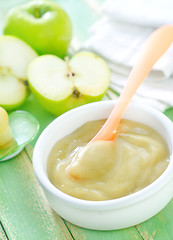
159,227
169,113
25,213
3,235
29,151
86,234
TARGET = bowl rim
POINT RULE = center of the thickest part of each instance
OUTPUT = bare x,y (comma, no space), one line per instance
125,201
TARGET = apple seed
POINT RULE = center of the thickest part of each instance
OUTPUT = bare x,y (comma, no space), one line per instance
70,73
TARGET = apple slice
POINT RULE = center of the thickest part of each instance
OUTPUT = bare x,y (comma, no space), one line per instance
15,56
62,85
5,131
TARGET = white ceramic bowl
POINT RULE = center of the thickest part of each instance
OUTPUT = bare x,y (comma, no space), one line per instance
111,214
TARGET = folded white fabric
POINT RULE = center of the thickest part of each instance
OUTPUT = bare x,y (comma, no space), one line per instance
156,94
121,43
118,37
148,13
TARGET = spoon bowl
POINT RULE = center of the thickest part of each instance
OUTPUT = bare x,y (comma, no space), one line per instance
24,127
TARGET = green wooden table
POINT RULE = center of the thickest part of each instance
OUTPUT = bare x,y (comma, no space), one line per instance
24,212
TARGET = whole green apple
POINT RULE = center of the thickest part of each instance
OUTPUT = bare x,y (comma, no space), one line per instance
42,24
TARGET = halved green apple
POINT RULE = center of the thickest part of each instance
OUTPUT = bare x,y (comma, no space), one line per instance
62,85
15,56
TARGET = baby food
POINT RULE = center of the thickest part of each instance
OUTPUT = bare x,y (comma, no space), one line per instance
105,170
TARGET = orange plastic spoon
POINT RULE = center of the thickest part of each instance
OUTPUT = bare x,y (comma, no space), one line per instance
154,47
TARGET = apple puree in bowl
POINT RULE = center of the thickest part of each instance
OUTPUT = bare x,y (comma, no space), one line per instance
109,170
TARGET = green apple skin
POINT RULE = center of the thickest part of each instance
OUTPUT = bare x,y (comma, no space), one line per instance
60,107
10,107
43,25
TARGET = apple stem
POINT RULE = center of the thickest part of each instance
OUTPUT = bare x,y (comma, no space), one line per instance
36,13
69,71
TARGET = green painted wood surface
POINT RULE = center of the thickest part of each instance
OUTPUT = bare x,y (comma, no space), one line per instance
3,235
159,227
25,214
24,211
86,234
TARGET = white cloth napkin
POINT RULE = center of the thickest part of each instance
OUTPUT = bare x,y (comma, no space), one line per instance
148,13
118,37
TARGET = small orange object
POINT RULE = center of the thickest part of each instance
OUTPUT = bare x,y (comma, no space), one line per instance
155,46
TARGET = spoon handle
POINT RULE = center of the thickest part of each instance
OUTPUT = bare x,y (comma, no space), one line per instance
154,47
